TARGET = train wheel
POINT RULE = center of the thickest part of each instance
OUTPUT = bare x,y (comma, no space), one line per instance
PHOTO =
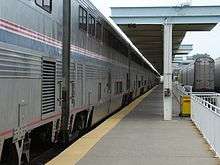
9,155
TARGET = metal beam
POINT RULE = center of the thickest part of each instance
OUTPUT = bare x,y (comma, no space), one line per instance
173,20
151,28
144,37
192,27
157,59
64,133
174,15
142,40
149,44
149,31
154,38
143,34
157,42
147,47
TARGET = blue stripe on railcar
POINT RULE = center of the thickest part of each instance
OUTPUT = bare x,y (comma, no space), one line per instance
52,51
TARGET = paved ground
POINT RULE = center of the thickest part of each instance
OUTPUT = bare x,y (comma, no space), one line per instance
143,138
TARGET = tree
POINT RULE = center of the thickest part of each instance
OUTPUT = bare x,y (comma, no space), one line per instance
200,55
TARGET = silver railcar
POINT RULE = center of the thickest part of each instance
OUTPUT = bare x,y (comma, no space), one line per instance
200,74
104,76
217,75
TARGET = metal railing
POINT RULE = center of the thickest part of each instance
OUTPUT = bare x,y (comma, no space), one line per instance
206,117
211,97
179,91
205,113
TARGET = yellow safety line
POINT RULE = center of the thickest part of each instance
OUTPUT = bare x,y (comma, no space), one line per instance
82,146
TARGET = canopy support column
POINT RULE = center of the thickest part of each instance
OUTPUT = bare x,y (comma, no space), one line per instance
167,86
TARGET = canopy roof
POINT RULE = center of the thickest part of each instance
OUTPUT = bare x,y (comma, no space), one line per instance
144,26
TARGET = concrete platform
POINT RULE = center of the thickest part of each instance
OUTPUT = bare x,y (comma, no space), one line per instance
142,137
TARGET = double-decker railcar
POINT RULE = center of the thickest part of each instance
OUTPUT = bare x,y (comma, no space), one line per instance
104,75
200,74
217,73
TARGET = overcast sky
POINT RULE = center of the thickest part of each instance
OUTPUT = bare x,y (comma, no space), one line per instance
203,42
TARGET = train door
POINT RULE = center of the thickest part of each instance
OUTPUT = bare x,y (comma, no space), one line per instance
127,82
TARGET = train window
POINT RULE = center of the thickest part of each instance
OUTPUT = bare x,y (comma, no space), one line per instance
91,25
127,81
118,87
44,4
142,80
105,36
109,42
139,84
136,83
98,31
99,91
114,42
82,18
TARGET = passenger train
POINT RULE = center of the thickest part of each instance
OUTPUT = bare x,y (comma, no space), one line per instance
217,73
106,73
200,75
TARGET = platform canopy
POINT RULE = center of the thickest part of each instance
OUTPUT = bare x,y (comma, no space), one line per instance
144,26
183,49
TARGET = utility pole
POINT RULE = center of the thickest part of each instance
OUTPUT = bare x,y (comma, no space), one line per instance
64,133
